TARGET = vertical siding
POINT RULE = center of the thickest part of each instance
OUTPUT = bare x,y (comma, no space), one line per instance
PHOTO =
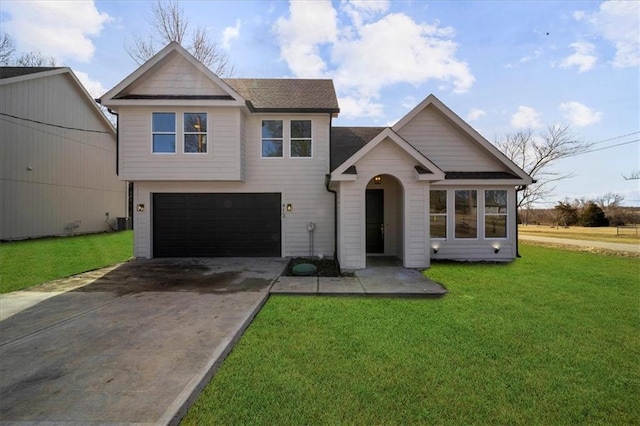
177,77
431,133
300,181
72,177
221,162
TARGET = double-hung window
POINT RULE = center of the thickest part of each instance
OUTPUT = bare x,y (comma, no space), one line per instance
195,132
495,213
272,138
438,214
466,220
163,126
301,138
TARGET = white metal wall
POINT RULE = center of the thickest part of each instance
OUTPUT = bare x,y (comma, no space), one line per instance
55,181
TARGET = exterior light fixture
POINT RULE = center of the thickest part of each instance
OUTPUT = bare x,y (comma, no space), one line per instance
140,207
496,248
377,180
435,250
435,247
289,207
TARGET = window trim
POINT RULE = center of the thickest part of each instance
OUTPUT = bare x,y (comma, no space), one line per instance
185,133
292,139
174,133
445,214
282,139
477,237
505,214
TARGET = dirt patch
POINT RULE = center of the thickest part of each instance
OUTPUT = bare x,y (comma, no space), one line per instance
326,267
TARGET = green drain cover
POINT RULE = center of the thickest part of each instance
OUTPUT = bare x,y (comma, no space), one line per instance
304,269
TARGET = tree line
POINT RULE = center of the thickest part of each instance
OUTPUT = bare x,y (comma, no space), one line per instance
605,210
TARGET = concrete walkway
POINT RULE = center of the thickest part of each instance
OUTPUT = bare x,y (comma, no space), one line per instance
135,346
631,248
383,276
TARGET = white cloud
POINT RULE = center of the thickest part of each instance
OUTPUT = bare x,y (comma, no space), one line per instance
94,87
355,106
230,33
578,114
535,55
579,15
59,29
310,24
619,23
365,52
525,118
583,56
475,114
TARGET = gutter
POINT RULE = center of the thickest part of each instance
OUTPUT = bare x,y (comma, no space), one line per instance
327,180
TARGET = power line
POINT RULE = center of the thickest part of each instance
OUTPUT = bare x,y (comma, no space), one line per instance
56,135
607,147
614,138
54,125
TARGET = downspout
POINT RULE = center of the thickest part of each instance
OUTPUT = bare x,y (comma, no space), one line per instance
518,189
327,180
117,140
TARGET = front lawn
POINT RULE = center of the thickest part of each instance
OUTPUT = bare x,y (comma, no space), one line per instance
553,338
27,263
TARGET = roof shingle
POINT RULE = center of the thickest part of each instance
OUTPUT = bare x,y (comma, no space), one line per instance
346,141
8,72
286,95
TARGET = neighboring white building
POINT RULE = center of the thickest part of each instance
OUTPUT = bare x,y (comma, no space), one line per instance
252,167
57,157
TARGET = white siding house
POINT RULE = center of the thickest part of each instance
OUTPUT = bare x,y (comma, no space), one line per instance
57,157
263,172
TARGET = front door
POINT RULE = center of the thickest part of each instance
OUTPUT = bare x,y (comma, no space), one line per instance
375,220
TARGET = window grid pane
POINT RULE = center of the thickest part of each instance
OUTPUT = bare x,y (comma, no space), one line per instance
438,226
301,138
495,226
195,132
466,224
271,148
163,128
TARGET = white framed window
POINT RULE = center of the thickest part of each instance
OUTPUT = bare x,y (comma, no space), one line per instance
272,139
163,129
438,214
495,214
195,132
466,214
301,140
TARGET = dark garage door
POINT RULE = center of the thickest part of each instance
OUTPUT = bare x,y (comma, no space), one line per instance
213,225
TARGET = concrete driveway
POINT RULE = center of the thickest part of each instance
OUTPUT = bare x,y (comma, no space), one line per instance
134,346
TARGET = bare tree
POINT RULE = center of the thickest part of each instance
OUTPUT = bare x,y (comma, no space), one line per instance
168,23
609,200
632,176
28,59
34,59
536,154
6,49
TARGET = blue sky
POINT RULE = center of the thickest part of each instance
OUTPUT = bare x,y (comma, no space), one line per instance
502,66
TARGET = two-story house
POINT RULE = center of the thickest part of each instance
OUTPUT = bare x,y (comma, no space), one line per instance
253,167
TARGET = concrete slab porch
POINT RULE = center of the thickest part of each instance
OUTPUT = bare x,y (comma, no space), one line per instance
384,276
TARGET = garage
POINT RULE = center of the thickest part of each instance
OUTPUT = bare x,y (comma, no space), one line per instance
216,225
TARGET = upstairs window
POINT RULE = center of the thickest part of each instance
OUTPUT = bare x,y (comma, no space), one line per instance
495,214
466,224
272,138
195,132
438,214
163,125
301,138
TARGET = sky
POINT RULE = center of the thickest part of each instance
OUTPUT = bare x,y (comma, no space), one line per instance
503,66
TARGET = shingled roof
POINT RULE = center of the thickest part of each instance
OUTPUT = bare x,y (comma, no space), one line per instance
346,141
286,95
8,72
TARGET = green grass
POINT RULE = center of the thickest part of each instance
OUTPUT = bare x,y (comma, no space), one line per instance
27,263
552,338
